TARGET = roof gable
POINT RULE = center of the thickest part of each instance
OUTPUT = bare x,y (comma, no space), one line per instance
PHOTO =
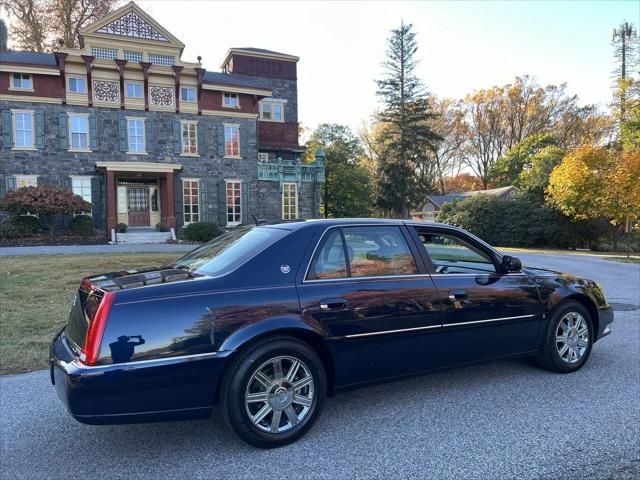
131,22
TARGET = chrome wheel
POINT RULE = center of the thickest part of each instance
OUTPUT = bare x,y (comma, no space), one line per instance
279,394
572,337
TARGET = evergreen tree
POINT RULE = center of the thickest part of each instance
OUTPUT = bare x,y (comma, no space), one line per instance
405,170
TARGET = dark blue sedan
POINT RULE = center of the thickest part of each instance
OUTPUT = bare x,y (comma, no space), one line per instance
268,320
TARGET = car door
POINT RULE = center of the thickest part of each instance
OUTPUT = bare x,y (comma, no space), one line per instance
486,313
368,288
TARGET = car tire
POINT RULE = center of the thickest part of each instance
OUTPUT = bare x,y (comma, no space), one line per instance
568,339
260,399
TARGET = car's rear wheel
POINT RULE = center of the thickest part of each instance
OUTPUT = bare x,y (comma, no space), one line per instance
273,392
569,339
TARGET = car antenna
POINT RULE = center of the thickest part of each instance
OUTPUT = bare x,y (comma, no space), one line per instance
258,221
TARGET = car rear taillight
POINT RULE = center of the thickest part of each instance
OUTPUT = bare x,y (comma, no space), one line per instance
92,343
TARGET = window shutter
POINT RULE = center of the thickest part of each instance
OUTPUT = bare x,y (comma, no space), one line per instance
222,203
7,130
221,141
10,183
39,133
122,130
93,131
96,202
244,141
63,124
177,137
179,200
244,198
202,137
202,207
150,140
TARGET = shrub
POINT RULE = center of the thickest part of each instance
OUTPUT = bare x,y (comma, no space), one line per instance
161,227
513,222
122,227
46,201
19,226
82,225
201,232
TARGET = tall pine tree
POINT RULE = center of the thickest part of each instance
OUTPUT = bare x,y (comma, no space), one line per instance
403,170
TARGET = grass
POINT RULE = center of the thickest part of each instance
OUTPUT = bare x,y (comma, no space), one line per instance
617,258
36,293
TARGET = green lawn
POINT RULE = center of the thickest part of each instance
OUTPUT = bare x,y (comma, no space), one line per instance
36,293
630,259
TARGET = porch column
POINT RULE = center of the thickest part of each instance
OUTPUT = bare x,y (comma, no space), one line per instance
169,206
112,216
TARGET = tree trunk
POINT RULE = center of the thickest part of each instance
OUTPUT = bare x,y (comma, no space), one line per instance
615,238
50,222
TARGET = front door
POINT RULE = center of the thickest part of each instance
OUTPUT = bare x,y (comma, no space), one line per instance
369,294
138,202
485,313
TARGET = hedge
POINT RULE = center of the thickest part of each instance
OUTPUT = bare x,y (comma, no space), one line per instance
19,226
200,232
82,225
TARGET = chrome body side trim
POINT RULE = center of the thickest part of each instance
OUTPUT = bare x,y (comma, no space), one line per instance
433,327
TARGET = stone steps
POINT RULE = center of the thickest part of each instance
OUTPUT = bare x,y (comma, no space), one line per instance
138,238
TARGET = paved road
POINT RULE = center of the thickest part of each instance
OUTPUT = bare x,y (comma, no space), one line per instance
76,249
505,419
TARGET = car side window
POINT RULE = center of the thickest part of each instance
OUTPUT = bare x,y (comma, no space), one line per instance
378,251
450,254
329,261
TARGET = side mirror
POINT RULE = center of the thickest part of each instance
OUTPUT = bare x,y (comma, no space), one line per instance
511,264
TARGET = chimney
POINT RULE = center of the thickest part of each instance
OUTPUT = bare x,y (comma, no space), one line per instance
3,36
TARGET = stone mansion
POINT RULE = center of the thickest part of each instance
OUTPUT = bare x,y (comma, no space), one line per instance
149,138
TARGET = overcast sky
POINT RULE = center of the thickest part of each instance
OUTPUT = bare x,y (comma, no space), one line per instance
463,46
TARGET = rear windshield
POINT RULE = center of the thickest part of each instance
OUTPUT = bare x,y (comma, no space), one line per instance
230,250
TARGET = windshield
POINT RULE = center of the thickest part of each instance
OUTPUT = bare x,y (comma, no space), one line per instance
230,250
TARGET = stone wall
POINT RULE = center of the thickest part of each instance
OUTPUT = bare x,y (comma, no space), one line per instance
54,165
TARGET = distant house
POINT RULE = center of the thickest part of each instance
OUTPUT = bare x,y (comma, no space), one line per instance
429,210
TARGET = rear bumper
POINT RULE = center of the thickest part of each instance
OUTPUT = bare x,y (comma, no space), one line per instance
174,388
605,321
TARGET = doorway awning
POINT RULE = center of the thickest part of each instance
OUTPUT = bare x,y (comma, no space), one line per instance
139,167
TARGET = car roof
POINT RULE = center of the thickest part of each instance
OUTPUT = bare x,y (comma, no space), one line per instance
328,222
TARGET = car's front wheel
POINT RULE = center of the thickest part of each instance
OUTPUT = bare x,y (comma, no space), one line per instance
569,338
273,392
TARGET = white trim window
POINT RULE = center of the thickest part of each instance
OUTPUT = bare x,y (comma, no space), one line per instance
135,135
81,185
191,200
272,111
23,130
26,181
230,100
188,94
105,53
134,90
231,140
189,137
234,202
77,85
21,81
79,132
166,60
289,201
132,56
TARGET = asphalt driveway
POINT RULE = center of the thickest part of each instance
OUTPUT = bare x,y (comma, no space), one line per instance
505,419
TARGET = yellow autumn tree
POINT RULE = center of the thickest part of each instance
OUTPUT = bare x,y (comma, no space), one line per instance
577,186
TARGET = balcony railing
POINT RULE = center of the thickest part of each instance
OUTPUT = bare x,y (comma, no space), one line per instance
282,170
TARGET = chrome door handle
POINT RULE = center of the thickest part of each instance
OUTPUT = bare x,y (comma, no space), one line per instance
457,295
333,304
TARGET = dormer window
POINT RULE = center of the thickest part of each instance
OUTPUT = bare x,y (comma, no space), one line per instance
230,100
21,81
